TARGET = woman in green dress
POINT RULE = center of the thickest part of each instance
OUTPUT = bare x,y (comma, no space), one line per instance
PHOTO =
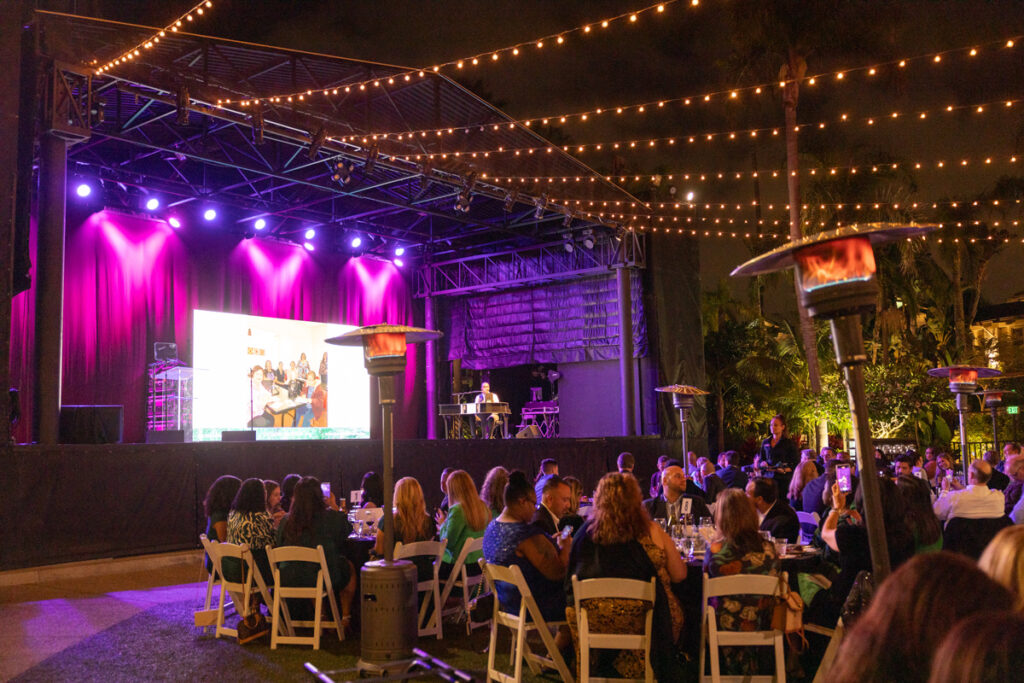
468,516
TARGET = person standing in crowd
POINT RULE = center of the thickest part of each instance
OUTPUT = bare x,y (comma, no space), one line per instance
323,368
778,453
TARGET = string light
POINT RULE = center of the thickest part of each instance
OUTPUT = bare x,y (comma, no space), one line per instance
147,44
493,55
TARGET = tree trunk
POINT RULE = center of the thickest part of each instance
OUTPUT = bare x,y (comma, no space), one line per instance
793,72
959,319
720,414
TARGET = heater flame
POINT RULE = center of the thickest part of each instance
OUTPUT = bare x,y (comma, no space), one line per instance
835,262
963,376
385,344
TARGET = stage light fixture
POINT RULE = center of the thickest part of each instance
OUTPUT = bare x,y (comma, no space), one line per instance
541,203
83,190
510,201
316,141
342,173
371,159
152,204
400,251
588,238
174,222
462,203
182,102
567,221
568,244
210,214
310,234
398,262
260,224
308,246
356,242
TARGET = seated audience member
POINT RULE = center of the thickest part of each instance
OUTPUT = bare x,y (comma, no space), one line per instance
548,466
844,532
775,515
943,469
921,519
818,490
311,522
672,503
998,481
898,636
731,474
977,501
412,524
510,539
931,464
620,541
808,455
493,489
372,488
655,490
217,505
983,648
740,549
249,523
1003,561
903,465
1015,471
554,503
572,516
287,488
445,473
467,518
805,473
710,482
273,491
1017,513
626,462
691,464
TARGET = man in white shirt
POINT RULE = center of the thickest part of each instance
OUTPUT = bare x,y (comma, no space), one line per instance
493,419
977,501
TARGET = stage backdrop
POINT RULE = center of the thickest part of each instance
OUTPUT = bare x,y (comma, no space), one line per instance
131,281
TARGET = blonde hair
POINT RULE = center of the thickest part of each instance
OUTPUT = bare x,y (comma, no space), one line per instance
462,490
619,514
410,508
1003,560
807,471
575,491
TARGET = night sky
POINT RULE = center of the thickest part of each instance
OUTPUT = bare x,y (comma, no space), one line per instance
689,51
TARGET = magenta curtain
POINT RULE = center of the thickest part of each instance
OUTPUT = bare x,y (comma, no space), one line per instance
131,281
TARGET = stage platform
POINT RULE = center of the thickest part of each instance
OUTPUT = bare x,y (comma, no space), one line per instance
71,503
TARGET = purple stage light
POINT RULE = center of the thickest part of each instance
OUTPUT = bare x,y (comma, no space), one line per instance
174,222
357,242
210,214
83,190
260,224
152,204
310,234
308,246
398,262
400,251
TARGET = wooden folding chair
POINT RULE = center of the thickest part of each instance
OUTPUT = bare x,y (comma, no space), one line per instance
431,588
527,619
460,578
239,591
280,618
739,584
627,589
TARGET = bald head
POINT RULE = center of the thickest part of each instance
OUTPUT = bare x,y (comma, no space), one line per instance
981,472
673,480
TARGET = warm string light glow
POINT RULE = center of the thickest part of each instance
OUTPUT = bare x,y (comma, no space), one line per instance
746,233
687,207
726,95
684,140
713,176
135,51
514,50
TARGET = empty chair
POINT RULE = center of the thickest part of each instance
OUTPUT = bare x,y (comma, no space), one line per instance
429,620
627,589
281,620
462,579
239,591
528,618
739,584
808,525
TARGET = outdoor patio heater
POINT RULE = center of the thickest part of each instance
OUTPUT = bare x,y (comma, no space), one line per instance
836,273
683,399
388,588
963,381
992,399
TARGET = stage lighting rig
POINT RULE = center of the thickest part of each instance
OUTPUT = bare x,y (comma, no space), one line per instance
541,203
371,158
510,201
568,243
316,141
567,221
343,172
257,124
588,238
182,102
466,195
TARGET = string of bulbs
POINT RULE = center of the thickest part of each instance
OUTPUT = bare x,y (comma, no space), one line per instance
147,44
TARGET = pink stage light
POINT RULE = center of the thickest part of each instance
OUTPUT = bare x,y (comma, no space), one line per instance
174,222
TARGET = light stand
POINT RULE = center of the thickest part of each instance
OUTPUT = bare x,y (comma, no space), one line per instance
389,623
683,400
836,273
963,381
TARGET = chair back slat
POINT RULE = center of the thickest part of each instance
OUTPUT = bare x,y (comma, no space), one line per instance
626,589
435,549
741,584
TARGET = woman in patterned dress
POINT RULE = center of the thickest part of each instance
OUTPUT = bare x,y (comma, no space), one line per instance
740,549
251,524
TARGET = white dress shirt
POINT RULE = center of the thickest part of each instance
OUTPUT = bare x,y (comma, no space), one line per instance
977,501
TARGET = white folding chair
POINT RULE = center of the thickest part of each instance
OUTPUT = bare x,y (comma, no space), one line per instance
206,616
460,578
811,519
369,517
239,591
739,584
829,657
431,588
627,589
281,620
527,619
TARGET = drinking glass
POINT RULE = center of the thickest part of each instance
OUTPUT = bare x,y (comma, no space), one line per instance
686,547
662,522
698,546
766,535
677,532
781,545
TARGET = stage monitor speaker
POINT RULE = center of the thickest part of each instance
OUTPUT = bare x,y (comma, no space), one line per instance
165,351
91,424
529,432
238,435
166,436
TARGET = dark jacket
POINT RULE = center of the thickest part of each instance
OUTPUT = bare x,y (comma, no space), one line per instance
542,519
782,522
713,485
658,507
733,477
998,481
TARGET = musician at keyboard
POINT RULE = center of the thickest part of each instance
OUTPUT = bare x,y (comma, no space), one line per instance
494,419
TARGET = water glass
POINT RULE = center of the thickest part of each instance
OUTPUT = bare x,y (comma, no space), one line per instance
707,521
686,547
698,546
677,531
781,546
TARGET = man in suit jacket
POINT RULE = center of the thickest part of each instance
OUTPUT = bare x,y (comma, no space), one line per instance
554,503
672,501
774,512
731,475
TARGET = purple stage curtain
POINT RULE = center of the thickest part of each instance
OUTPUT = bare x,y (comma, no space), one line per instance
131,281
564,322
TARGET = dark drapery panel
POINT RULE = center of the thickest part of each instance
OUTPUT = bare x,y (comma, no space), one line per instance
563,322
131,281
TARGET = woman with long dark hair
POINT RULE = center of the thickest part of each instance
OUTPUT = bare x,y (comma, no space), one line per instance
249,523
921,519
217,504
287,490
493,489
373,490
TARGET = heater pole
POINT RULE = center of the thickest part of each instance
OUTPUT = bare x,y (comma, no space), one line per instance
995,430
386,389
961,409
847,336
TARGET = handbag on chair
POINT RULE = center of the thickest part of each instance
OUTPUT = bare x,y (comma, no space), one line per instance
254,625
788,616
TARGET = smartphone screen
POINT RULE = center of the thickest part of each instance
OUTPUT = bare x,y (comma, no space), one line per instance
843,477
325,486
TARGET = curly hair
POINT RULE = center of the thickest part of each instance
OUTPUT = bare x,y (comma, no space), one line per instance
493,488
220,494
619,514
251,497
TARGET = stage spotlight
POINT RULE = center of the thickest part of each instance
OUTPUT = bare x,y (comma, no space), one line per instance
541,203
462,203
588,238
308,246
371,158
342,173
310,234
569,245
400,251
510,201
398,262
567,221
260,224
174,222
152,204
316,141
210,214
83,190
356,242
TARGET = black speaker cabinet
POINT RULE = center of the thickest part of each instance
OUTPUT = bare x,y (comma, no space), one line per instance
238,435
91,424
167,436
